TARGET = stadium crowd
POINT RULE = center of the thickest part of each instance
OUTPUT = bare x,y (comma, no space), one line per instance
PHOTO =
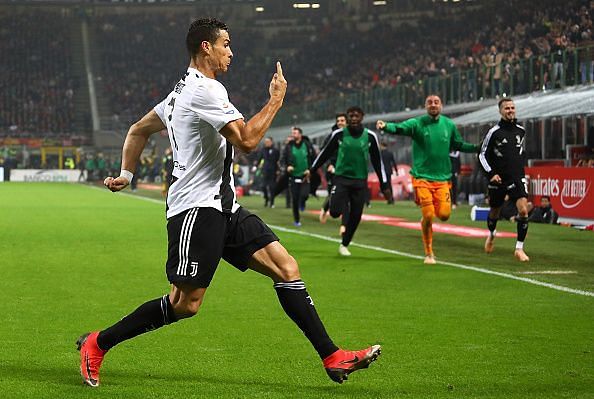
522,46
531,46
496,47
36,81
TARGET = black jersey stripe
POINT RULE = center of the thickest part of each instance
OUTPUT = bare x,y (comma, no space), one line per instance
226,192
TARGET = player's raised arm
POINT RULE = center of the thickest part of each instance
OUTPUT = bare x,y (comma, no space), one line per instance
246,135
136,139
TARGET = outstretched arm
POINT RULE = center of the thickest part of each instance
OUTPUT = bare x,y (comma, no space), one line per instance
136,140
406,128
327,151
459,144
246,135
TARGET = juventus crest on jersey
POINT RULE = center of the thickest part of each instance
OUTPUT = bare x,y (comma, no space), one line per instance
194,113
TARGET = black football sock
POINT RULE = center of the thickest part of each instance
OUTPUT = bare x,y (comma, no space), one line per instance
149,316
299,306
492,225
522,228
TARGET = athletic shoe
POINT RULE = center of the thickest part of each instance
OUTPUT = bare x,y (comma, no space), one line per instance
323,216
344,251
429,260
521,255
342,229
91,357
297,224
342,363
489,244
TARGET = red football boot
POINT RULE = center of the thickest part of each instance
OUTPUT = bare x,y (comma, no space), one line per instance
342,363
91,357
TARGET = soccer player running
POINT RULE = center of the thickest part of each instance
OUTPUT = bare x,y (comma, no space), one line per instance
298,155
433,137
502,157
204,221
354,145
340,122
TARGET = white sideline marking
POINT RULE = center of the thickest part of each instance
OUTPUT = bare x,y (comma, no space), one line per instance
458,265
406,254
548,272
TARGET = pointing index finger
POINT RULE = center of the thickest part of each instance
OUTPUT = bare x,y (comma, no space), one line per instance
279,68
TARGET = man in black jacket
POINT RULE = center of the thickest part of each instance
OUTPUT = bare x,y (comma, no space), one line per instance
545,212
268,163
502,157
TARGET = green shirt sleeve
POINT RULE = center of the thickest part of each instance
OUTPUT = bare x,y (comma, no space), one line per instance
406,128
459,144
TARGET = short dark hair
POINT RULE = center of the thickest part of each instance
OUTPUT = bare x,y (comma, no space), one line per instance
355,108
338,115
545,197
503,100
298,129
205,29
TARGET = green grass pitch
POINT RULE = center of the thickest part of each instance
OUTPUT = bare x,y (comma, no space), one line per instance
75,258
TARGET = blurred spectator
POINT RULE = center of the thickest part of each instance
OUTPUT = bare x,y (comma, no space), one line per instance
544,213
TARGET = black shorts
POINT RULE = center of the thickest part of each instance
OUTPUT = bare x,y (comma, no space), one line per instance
515,189
199,237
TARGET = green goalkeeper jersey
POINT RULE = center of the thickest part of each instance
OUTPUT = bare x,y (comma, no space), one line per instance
433,139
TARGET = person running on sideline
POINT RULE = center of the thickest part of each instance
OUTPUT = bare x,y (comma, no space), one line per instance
340,122
433,137
354,146
502,157
204,221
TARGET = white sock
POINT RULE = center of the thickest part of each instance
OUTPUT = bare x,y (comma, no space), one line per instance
519,245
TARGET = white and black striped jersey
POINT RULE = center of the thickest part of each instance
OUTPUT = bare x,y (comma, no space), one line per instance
502,152
194,113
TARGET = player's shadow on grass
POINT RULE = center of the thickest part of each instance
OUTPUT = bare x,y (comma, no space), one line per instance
62,377
223,383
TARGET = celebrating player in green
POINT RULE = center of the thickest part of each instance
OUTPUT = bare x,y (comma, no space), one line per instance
434,136
355,146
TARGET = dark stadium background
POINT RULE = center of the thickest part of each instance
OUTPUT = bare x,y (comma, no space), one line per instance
76,74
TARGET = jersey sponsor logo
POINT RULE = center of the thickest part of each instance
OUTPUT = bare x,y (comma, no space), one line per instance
179,166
